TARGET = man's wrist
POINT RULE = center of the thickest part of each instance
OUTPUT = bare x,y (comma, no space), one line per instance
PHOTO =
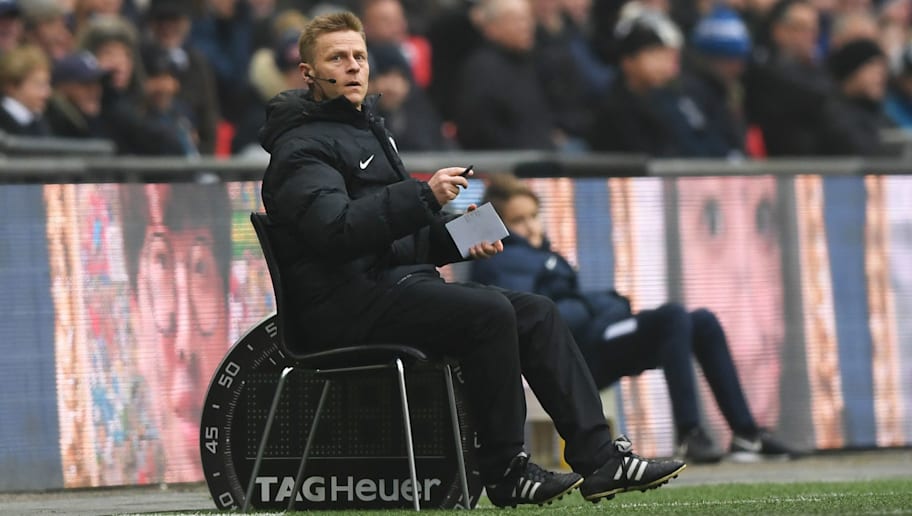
429,197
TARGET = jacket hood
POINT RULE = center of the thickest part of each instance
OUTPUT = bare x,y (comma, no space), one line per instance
293,108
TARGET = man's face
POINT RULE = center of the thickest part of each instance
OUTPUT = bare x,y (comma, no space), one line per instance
341,56
182,309
652,67
160,91
117,58
796,33
520,215
384,22
54,37
86,96
513,26
393,88
869,81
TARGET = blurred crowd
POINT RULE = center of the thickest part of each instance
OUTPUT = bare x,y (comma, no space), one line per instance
682,78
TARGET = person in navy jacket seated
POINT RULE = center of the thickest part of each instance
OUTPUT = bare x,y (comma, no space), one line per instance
616,342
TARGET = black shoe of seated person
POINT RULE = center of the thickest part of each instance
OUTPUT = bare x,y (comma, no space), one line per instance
527,483
627,471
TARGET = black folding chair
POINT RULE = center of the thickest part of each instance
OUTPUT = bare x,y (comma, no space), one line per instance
334,363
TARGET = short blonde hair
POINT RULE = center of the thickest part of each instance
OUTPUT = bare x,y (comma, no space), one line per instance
501,188
19,62
325,24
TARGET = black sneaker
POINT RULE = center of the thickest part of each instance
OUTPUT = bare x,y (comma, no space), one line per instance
628,472
697,447
527,483
758,447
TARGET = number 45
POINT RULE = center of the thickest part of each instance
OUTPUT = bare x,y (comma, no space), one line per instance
212,439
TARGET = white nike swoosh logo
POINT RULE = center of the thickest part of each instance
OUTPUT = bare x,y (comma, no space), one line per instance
365,163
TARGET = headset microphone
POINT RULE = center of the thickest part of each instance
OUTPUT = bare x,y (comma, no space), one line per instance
331,81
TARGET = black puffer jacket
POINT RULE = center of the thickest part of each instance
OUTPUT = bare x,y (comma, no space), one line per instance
353,228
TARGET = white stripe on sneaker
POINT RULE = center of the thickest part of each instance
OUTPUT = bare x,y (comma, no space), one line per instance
526,484
750,445
642,470
534,489
634,465
620,471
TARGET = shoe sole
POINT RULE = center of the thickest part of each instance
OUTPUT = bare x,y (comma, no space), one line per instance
549,501
608,495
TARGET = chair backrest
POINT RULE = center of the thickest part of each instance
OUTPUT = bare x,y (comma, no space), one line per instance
262,226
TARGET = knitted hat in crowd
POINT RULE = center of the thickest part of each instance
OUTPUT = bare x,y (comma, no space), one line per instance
644,30
105,29
156,61
722,33
385,58
844,61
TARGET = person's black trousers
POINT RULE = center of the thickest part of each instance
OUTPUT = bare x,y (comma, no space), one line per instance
498,335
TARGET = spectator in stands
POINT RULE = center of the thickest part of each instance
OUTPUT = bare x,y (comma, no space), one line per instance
385,24
25,78
501,102
224,34
851,26
559,72
162,108
262,16
894,18
405,107
719,50
898,104
616,342
597,73
169,27
11,25
46,26
74,110
113,41
860,70
786,88
453,38
649,110
85,11
271,72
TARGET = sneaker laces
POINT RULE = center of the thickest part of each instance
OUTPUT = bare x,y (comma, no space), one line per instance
521,468
625,450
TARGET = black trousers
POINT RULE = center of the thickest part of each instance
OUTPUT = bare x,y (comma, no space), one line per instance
499,335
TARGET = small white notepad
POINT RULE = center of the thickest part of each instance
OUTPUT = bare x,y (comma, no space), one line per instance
475,227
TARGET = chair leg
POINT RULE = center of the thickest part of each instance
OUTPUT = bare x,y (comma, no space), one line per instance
248,498
299,478
457,436
409,448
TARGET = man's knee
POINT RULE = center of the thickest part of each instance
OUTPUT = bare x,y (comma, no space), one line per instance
494,309
704,320
672,318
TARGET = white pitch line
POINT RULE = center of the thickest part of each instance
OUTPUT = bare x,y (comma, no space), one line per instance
752,501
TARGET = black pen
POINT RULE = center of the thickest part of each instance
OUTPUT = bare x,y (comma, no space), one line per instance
465,173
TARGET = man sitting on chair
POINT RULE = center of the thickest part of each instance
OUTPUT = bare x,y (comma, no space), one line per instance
358,241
